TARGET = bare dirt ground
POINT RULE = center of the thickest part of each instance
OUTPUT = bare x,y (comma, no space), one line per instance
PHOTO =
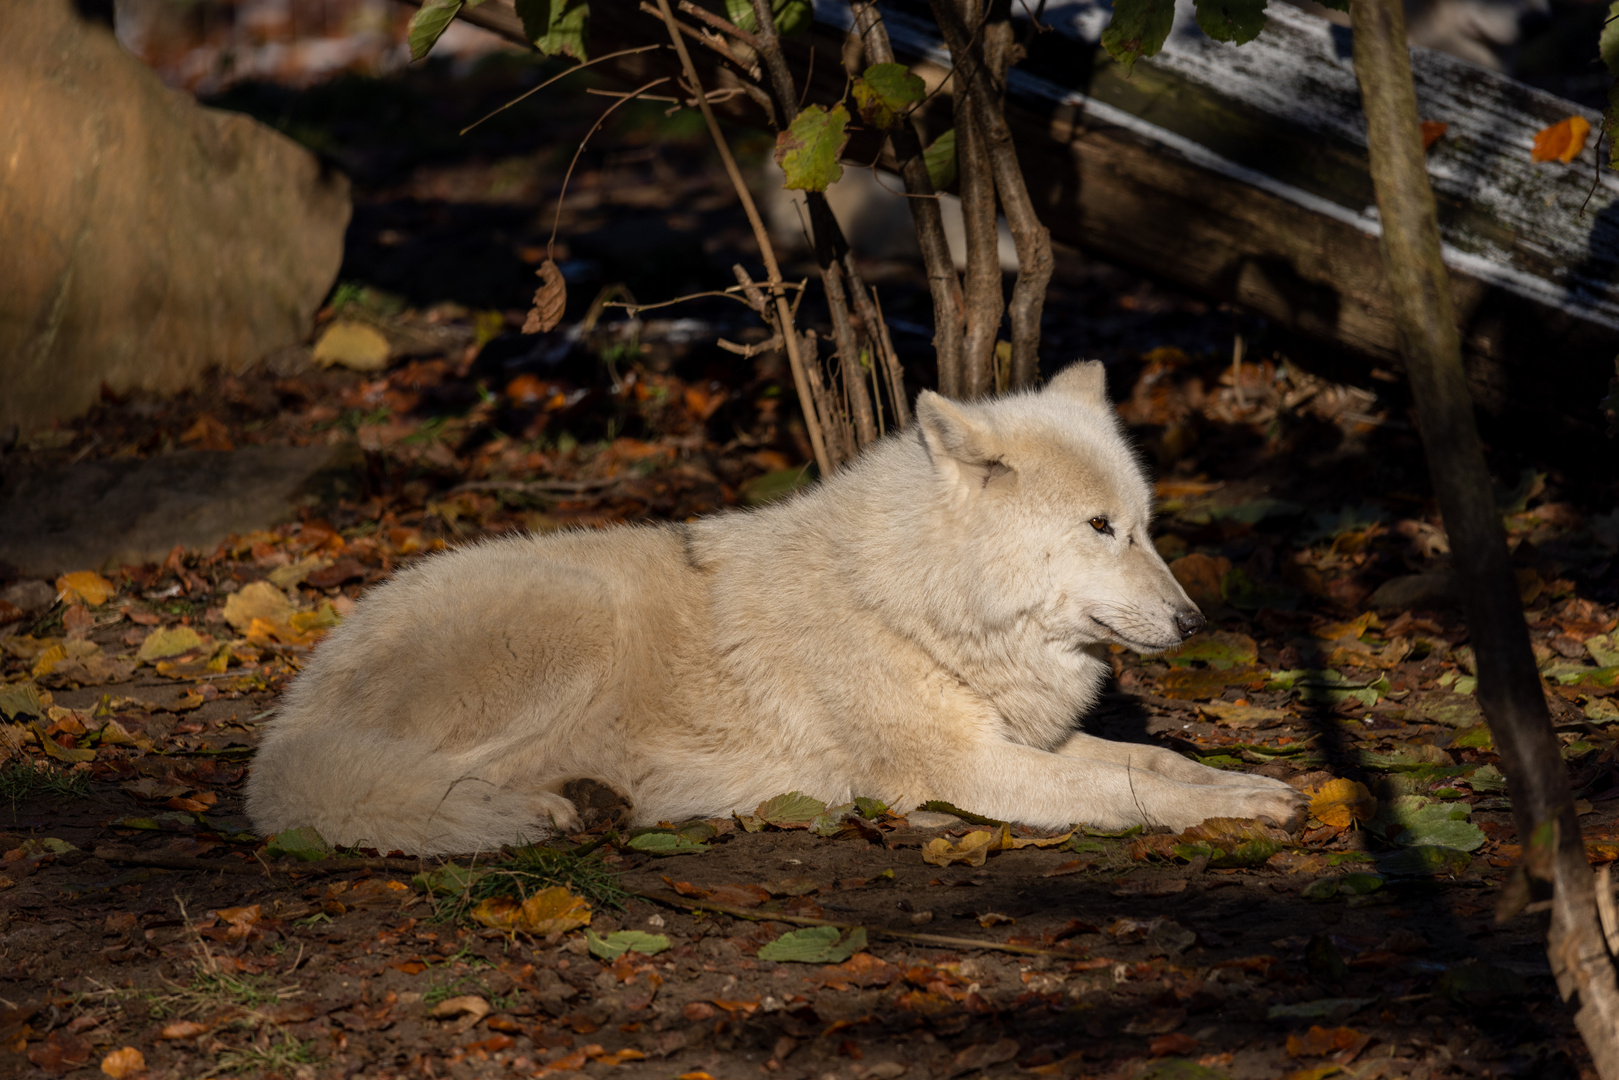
145,931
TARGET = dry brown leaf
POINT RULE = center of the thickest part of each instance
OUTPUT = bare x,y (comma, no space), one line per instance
1563,141
1432,132
86,587
465,1005
550,300
123,1062
183,1029
1341,803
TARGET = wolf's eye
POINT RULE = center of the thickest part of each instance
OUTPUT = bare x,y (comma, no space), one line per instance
1101,525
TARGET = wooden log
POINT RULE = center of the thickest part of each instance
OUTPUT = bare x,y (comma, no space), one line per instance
1240,173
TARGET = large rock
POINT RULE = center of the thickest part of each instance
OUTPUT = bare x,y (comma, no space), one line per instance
128,510
146,238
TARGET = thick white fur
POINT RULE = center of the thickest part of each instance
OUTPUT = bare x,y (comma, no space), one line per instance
929,623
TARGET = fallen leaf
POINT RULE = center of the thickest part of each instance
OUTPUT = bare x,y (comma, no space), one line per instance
550,300
1432,132
1342,803
970,850
619,942
86,587
257,600
165,642
1563,141
547,911
1320,1041
123,1062
1243,716
183,1029
464,1005
354,345
814,945
1173,1043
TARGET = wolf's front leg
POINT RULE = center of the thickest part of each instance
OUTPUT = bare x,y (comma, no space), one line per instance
1159,759
1019,783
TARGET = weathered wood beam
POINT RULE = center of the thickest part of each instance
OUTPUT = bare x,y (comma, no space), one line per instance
1241,174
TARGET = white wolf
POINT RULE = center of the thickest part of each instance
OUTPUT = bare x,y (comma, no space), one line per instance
929,623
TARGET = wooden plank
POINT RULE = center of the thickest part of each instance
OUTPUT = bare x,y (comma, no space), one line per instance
1240,174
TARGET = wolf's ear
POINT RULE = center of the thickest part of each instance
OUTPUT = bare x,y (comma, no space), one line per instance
957,440
1086,381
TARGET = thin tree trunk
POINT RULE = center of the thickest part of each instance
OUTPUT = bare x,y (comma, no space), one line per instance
1033,240
943,284
1509,687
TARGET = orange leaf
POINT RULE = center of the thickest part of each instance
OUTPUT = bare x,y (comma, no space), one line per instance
547,911
85,586
1432,131
121,1063
1340,803
182,1029
1562,141
1320,1041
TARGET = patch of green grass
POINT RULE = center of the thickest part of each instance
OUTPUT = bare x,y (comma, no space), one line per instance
24,779
213,991
268,1057
521,873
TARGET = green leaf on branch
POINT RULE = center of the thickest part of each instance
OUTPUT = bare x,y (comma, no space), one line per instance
556,27
808,150
1608,43
1138,28
940,158
885,92
428,24
815,945
1236,21
790,16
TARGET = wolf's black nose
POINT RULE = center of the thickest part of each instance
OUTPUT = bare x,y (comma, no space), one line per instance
1189,623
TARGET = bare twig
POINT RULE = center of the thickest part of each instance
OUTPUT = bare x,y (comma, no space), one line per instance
812,421
560,75
724,26
891,368
556,220
943,940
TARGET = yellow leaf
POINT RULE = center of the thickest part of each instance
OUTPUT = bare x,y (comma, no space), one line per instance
285,577
86,587
165,642
971,849
1341,803
121,1063
46,662
258,600
546,912
1232,828
353,345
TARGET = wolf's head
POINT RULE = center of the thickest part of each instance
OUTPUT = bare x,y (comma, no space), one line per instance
1052,509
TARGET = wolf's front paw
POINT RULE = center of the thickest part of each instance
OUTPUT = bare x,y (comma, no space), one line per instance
1280,804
